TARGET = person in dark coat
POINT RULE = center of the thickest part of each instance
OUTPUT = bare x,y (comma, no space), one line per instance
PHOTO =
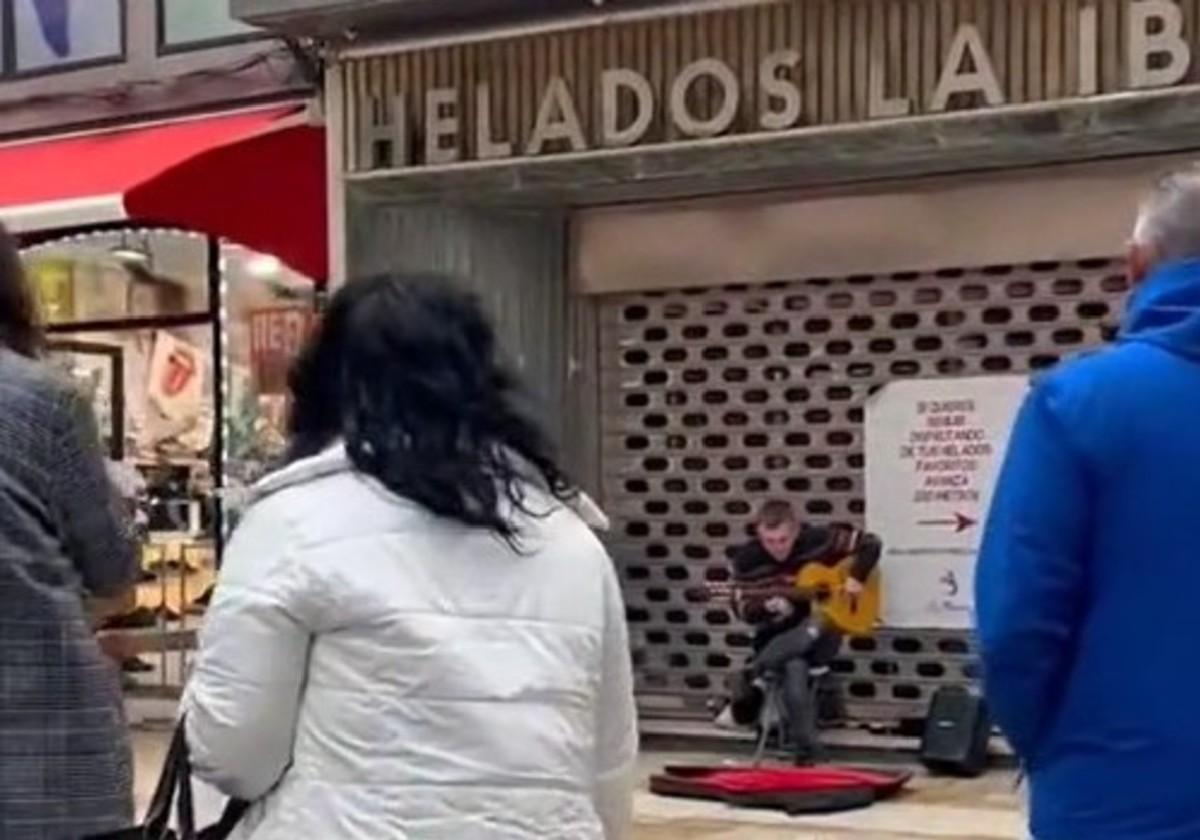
65,760
1087,583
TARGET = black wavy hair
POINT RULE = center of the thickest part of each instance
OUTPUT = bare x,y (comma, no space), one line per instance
20,326
405,369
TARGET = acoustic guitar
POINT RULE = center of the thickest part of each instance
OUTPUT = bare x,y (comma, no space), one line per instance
824,586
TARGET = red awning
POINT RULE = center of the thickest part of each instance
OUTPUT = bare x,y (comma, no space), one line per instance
255,177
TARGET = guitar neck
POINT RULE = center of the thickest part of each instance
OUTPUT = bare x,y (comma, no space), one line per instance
781,591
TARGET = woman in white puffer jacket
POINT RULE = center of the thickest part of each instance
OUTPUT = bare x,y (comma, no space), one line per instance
415,633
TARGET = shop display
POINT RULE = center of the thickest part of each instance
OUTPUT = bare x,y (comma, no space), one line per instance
254,430
97,370
177,371
135,318
200,605
136,665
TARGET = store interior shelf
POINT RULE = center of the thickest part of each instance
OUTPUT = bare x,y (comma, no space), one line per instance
152,640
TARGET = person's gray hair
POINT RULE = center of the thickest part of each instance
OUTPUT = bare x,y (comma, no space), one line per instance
1168,221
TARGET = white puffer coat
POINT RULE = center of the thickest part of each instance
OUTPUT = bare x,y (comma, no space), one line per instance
369,672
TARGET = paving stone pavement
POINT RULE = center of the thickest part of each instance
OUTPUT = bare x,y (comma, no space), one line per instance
932,809
950,809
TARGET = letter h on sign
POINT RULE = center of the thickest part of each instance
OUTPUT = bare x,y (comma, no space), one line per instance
383,134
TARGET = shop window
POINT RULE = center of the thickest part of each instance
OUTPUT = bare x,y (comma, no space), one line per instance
135,316
152,394
48,35
184,24
181,347
121,276
269,313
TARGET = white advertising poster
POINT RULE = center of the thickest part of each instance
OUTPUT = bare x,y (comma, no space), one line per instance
934,448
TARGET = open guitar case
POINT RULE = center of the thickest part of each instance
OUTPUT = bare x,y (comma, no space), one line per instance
799,790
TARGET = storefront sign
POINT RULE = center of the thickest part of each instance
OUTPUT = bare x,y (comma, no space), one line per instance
933,451
534,96
276,339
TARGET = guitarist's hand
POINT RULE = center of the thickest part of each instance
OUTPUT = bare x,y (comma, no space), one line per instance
779,608
852,587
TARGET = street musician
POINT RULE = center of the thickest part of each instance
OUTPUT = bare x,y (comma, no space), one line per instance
790,638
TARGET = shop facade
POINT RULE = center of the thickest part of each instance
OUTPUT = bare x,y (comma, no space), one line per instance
712,231
148,151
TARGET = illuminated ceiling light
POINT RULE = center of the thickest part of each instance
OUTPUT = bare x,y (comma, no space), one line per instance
128,254
137,254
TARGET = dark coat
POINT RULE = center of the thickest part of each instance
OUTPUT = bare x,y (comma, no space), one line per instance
65,763
1087,580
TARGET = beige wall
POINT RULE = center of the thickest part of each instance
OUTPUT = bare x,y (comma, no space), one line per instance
1050,213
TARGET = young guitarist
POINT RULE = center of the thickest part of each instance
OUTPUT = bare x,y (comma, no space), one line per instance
788,638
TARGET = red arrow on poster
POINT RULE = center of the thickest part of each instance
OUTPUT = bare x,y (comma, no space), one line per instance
959,523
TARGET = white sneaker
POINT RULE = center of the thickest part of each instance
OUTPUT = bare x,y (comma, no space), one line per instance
725,720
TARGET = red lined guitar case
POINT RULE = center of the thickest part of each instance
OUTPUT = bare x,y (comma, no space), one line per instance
799,790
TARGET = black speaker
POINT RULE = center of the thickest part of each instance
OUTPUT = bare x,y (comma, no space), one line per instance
957,732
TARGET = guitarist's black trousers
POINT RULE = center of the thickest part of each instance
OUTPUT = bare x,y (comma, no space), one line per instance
786,661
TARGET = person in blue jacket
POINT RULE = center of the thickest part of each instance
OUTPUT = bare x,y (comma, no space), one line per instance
1088,584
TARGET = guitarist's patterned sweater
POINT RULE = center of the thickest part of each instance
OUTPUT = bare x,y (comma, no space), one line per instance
788,640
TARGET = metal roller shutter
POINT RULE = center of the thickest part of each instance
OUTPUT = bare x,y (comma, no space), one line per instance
716,399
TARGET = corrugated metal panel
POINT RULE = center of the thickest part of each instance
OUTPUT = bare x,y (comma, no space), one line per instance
510,258
1034,46
714,400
